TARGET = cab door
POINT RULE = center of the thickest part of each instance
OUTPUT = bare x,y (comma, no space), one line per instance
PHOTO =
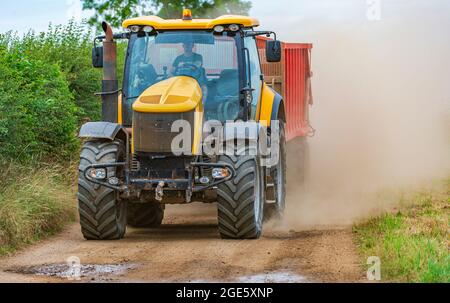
255,73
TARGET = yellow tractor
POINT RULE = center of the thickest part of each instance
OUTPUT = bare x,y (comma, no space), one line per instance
191,86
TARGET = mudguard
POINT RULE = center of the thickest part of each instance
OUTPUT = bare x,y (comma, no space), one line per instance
100,130
272,106
278,109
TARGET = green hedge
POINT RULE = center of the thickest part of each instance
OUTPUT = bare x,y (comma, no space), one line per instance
37,110
47,86
70,48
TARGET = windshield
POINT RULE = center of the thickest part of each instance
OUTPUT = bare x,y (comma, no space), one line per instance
212,59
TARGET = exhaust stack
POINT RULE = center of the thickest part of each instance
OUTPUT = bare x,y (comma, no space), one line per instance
110,85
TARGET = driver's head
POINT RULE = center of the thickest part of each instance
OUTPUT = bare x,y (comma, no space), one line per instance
188,47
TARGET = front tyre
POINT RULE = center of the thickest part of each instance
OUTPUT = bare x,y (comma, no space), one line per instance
241,200
103,216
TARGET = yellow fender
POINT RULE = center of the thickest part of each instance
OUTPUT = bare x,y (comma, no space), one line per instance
272,106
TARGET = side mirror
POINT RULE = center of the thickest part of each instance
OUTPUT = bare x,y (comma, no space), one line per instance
273,51
97,56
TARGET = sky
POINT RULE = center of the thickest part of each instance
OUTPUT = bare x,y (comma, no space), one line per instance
23,15
281,15
37,14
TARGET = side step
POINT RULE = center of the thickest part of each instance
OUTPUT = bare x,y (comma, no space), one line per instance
270,193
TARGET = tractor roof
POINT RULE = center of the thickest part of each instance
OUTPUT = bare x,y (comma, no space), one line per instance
168,24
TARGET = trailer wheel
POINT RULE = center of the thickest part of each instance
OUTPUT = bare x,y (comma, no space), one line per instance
241,200
276,190
102,215
145,215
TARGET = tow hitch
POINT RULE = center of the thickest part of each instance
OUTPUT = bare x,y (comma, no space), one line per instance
159,193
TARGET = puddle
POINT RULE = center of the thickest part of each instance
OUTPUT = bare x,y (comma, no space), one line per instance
82,271
273,277
270,277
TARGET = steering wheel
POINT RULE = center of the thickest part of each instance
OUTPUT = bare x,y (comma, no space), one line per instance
192,67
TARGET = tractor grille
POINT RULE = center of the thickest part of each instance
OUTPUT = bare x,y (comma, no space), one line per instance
161,166
152,131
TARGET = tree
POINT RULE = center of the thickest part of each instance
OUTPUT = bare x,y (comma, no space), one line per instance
115,11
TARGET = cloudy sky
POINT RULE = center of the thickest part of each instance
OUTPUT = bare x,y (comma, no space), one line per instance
281,15
286,16
36,14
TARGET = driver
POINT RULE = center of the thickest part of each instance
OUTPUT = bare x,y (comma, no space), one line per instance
188,60
190,63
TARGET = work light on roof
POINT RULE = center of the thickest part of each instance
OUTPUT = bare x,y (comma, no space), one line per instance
234,27
134,28
148,29
219,28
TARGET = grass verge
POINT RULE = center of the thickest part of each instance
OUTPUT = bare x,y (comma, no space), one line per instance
34,203
413,241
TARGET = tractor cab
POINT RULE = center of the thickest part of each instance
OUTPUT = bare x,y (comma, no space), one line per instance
209,58
220,54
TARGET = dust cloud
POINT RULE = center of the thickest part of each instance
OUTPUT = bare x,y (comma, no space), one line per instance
382,107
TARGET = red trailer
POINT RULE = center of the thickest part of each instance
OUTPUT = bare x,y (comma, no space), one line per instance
292,79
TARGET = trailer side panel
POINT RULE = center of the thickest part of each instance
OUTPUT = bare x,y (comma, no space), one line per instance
292,79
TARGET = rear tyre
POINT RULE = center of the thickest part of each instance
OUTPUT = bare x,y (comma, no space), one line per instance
241,200
276,195
103,216
148,215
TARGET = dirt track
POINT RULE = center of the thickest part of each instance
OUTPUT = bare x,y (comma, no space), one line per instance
187,248
186,251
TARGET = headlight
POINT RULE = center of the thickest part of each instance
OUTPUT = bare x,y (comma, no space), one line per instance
97,173
113,181
220,173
